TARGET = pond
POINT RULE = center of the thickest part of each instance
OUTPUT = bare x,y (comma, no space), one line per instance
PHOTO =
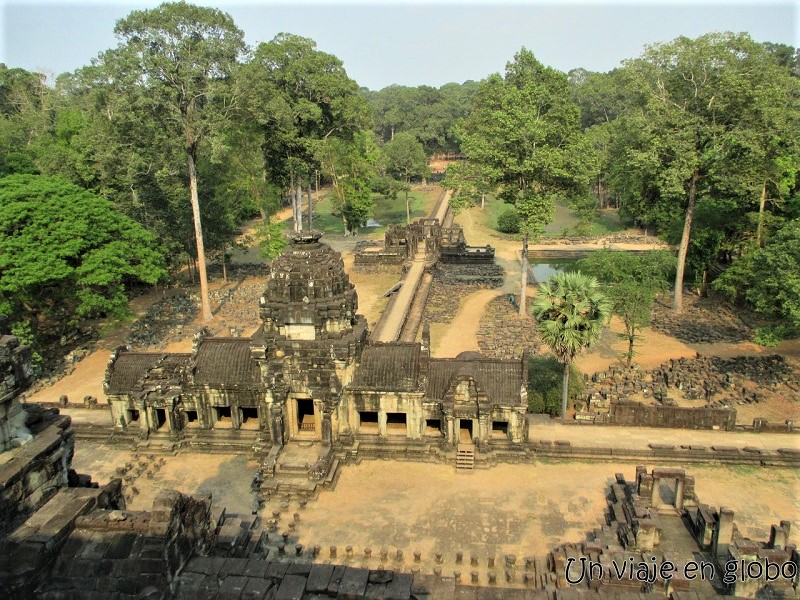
544,269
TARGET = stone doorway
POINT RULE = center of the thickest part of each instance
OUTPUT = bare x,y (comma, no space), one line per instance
161,418
303,422
465,431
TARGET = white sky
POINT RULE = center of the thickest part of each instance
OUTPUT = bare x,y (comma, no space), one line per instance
411,43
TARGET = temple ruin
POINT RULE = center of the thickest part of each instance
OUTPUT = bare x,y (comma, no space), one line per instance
310,373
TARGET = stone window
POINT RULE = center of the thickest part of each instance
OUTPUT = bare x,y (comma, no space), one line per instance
249,417
191,418
223,414
368,422
133,416
500,429
396,423
433,427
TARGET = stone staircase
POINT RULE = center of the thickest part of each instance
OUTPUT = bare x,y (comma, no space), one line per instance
465,457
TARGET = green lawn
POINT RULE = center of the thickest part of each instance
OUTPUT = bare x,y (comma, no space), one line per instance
386,212
565,219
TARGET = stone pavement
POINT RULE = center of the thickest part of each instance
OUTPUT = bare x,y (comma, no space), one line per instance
634,438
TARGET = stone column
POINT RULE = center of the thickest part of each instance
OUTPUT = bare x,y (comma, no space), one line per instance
236,416
655,499
327,428
679,488
382,423
276,424
723,532
450,427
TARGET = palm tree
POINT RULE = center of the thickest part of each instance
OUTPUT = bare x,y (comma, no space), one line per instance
571,311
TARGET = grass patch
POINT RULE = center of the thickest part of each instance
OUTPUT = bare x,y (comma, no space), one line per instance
387,211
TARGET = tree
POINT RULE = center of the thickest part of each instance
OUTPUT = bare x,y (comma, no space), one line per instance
630,282
351,165
405,159
769,278
181,56
65,252
524,137
571,312
297,96
706,115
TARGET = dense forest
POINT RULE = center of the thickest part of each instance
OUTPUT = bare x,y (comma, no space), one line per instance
148,160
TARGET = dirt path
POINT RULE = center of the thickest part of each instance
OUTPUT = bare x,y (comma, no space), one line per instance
462,333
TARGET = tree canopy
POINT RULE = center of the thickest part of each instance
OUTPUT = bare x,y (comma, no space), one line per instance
66,253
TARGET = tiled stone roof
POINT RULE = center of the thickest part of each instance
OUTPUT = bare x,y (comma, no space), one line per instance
393,366
130,369
499,379
225,362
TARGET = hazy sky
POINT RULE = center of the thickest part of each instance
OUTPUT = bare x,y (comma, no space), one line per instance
412,43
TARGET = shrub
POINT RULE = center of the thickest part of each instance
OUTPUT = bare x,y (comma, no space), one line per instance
509,221
545,378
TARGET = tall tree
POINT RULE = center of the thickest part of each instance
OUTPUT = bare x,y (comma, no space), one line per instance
182,57
524,136
682,140
405,159
296,96
350,165
630,282
571,312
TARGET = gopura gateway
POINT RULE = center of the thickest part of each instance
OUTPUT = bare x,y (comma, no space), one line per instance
310,373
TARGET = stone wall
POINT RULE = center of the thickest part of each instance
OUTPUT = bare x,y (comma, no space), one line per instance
33,473
503,333
624,412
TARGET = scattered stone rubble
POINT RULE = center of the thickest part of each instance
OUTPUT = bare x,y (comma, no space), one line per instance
164,321
716,380
702,321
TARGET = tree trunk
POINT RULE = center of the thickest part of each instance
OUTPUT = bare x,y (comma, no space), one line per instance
565,393
293,200
761,205
483,200
310,208
631,338
344,225
224,270
677,304
408,207
524,282
198,232
299,198
704,286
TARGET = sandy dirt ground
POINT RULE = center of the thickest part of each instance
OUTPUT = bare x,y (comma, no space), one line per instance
226,477
519,509
639,437
461,334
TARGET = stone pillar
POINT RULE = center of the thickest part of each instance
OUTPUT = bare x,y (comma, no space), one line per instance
484,428
236,416
679,491
723,532
276,424
450,428
327,428
655,500
382,423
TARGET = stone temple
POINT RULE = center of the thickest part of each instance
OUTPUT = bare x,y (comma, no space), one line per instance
311,373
